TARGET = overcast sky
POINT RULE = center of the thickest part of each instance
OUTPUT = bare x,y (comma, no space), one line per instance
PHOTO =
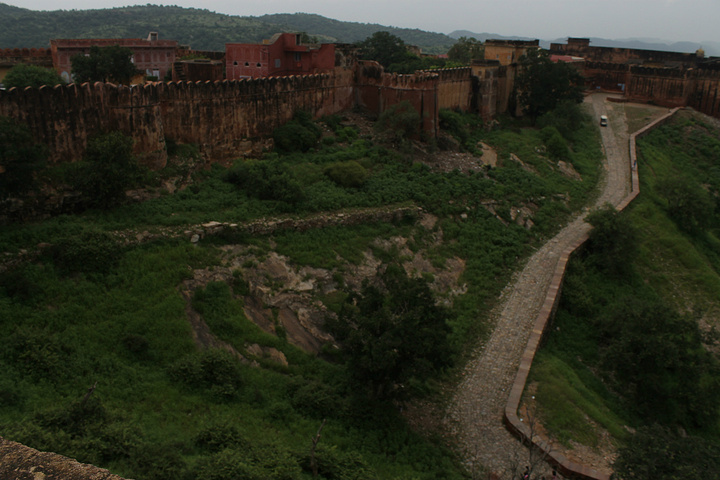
671,20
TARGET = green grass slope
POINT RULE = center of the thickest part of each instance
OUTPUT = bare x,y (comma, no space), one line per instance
95,310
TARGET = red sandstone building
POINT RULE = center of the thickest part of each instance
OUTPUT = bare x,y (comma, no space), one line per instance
152,56
283,55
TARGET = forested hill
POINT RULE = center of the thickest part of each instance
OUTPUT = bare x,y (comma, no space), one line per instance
201,29
349,32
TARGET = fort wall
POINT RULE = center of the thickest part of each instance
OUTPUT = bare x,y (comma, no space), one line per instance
217,116
455,89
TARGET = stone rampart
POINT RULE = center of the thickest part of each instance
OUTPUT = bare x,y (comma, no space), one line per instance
455,89
217,116
64,117
377,91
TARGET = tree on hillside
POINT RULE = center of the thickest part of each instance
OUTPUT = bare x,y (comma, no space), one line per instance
688,204
104,64
20,157
21,76
384,48
542,84
392,333
613,240
108,169
658,453
656,358
466,50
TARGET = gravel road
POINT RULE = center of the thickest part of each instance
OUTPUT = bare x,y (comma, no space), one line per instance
474,415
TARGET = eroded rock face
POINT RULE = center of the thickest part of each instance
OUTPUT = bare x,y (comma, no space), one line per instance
284,299
18,462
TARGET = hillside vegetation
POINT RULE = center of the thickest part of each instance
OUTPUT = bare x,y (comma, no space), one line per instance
635,344
200,29
132,348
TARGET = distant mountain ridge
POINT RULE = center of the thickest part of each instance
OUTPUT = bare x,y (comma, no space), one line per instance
203,29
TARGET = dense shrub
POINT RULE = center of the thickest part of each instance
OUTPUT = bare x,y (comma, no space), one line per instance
455,124
613,240
214,370
298,135
108,169
401,121
89,252
347,174
22,76
258,462
556,145
266,180
20,157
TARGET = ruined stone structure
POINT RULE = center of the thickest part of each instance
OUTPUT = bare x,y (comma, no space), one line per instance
152,56
283,55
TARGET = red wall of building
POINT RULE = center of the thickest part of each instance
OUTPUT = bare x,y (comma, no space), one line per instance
150,56
283,57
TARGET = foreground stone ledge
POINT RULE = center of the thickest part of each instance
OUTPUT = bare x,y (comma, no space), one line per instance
18,462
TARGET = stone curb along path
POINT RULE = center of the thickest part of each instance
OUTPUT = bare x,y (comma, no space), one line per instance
494,380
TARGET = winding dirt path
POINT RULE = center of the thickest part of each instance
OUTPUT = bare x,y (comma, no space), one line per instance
474,415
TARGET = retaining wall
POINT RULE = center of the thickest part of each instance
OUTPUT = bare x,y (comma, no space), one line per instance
565,466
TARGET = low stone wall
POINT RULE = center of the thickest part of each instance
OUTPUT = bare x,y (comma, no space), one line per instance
565,466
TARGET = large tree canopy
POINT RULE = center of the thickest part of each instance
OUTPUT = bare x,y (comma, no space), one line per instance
466,50
384,48
393,333
104,64
542,84
21,76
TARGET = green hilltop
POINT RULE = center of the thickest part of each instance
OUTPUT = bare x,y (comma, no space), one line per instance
199,28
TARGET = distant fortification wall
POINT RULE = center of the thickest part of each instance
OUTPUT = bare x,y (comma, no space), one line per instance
667,87
221,116
216,116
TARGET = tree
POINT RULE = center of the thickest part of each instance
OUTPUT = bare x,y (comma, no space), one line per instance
466,50
104,64
108,169
384,48
21,76
20,158
613,240
687,203
656,453
392,333
656,358
542,84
